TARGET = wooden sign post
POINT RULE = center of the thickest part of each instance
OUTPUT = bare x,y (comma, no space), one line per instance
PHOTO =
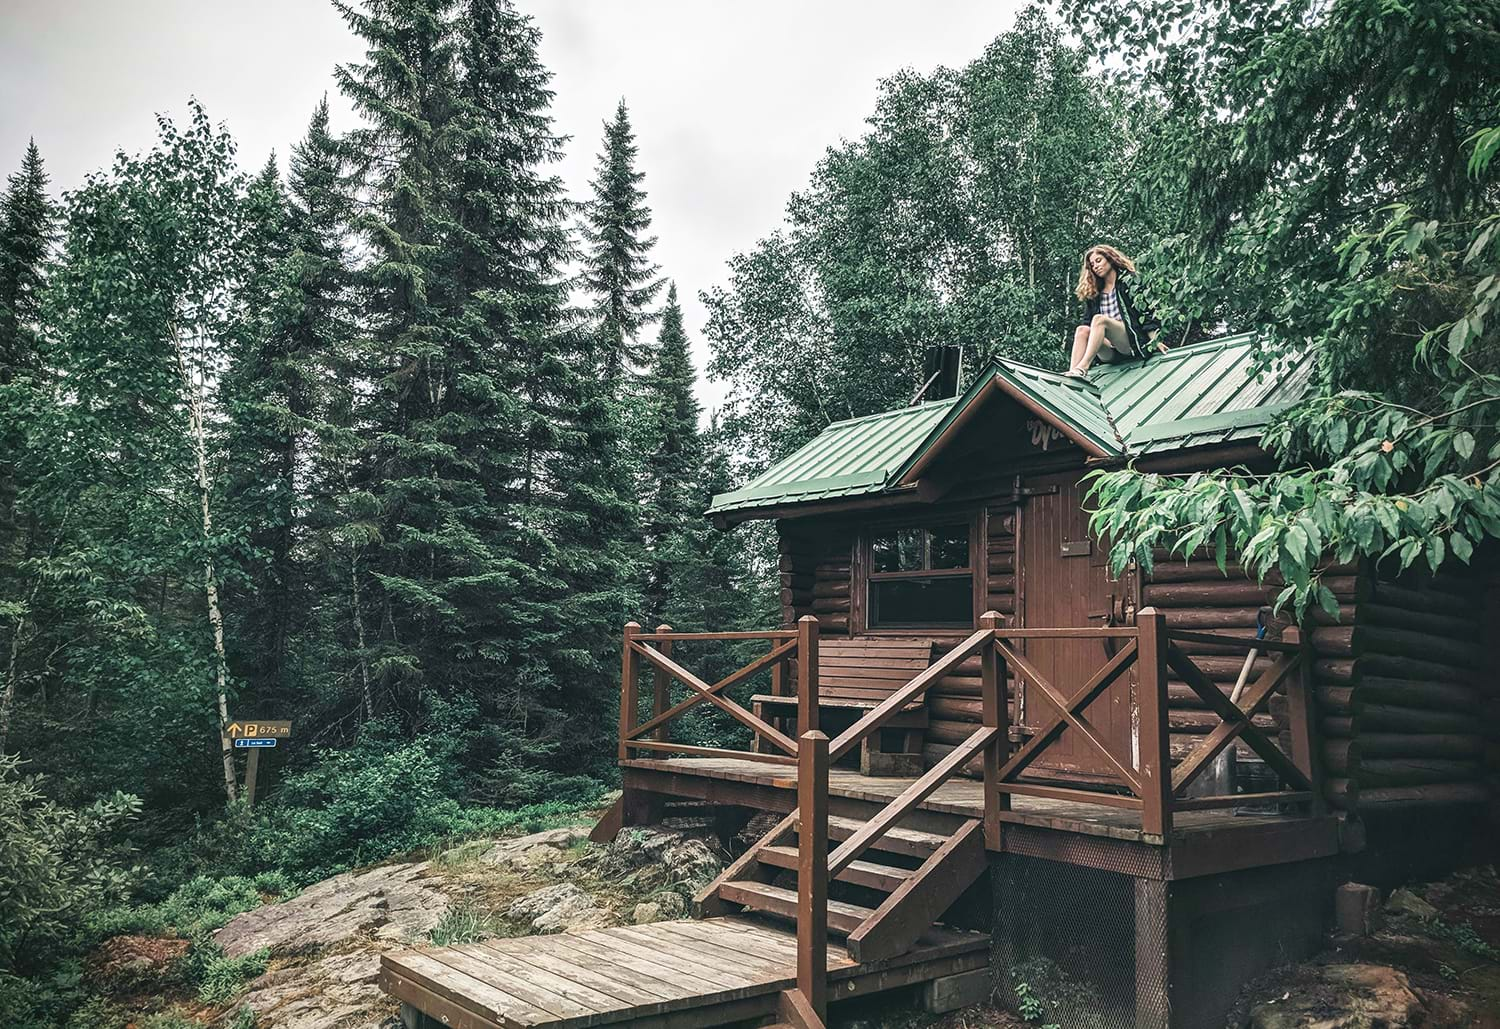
255,735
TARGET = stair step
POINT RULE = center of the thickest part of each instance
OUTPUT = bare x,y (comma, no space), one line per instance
911,842
860,873
842,918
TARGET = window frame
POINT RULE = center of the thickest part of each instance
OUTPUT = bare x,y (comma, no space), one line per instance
971,520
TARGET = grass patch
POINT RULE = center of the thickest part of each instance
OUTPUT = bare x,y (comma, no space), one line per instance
222,978
466,923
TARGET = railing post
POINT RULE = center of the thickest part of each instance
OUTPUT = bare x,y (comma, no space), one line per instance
807,674
1306,751
630,666
812,869
661,684
1156,735
995,713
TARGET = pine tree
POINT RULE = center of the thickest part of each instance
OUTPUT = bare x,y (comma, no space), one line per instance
413,473
27,220
618,273
673,461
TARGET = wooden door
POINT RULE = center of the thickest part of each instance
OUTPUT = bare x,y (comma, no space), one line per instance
1066,585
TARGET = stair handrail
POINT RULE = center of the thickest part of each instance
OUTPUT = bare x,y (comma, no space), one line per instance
917,687
812,883
990,738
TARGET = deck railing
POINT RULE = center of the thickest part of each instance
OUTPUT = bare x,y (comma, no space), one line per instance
1149,783
655,649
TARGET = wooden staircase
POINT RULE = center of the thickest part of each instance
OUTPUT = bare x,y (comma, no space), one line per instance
889,897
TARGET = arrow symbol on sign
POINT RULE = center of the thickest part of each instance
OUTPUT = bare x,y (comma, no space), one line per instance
234,729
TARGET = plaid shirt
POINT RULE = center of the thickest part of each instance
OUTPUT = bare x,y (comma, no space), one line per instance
1109,305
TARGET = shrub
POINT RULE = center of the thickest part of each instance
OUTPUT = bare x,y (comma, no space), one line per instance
465,923
195,908
56,864
221,977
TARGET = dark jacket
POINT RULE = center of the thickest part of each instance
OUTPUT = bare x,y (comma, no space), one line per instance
1140,323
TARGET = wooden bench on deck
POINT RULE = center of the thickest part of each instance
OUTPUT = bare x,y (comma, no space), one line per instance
856,675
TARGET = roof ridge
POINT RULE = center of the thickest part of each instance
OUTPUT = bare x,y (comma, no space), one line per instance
909,408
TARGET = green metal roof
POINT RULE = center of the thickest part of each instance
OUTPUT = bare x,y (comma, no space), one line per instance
849,458
1193,396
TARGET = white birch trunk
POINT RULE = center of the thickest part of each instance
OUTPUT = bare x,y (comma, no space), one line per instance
194,390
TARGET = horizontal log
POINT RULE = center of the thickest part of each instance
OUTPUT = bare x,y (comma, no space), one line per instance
955,709
1176,570
1212,618
831,569
1001,603
1414,771
1421,645
1339,756
1337,725
1389,717
1227,668
1001,583
1402,598
1412,668
1335,700
1333,641
831,588
1229,593
1418,744
1002,523
941,730
833,623
1440,795
797,580
1340,671
1341,793
1453,626
1446,696
830,605
959,685
932,753
796,598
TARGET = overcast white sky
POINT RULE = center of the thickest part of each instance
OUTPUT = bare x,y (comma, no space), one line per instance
733,101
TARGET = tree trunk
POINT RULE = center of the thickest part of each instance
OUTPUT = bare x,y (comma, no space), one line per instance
359,632
210,578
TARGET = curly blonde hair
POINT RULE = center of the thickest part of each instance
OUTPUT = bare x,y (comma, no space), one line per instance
1088,282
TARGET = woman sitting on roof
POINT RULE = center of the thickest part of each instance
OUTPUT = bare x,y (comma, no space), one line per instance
1109,313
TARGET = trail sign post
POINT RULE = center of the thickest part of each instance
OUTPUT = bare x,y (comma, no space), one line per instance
255,735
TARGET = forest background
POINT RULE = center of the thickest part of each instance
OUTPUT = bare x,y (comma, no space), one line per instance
393,446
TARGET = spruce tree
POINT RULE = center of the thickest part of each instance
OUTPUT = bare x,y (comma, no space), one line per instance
413,472
27,226
618,274
673,458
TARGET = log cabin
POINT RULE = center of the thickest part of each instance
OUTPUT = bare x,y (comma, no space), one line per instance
972,758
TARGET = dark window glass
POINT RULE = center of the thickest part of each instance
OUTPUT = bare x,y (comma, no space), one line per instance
949,547
898,550
912,603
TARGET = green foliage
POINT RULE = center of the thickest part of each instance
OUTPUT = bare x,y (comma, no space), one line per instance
1462,936
221,978
195,908
959,217
56,864
465,922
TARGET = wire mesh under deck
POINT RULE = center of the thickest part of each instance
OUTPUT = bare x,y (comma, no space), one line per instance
706,973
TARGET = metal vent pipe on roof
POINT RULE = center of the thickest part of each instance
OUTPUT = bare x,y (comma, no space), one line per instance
941,371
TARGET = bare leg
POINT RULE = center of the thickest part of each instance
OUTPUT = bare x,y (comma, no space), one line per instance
1100,330
1080,343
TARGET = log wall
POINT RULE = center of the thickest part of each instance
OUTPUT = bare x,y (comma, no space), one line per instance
1401,700
816,576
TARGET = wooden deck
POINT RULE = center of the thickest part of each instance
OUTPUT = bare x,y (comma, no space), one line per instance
667,974
1201,842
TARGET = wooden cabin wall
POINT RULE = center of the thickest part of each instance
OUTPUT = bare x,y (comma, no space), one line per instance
1404,711
1000,555
816,574
1196,595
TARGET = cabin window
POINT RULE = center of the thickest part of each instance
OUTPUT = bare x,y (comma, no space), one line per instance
921,578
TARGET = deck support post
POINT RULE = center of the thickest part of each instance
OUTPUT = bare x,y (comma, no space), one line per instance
630,667
807,674
1306,750
812,869
995,714
1155,734
661,684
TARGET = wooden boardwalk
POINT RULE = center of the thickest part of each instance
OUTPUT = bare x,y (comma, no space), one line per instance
667,974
